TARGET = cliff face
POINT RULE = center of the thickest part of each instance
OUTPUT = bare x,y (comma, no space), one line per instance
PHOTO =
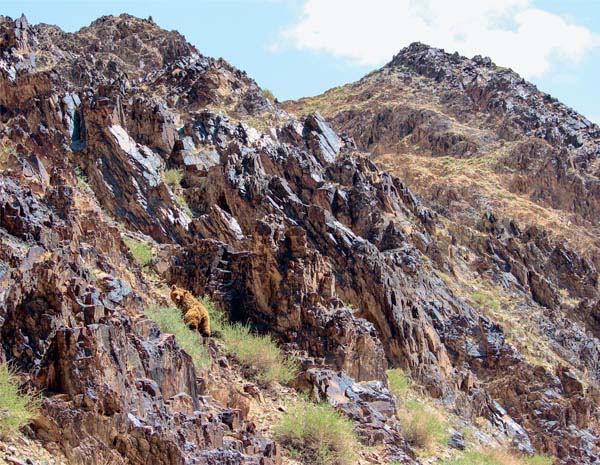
291,226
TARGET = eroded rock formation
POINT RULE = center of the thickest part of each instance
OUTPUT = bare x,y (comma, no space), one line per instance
290,227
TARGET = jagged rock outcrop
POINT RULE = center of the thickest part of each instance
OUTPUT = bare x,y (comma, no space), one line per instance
115,389
291,228
500,164
369,404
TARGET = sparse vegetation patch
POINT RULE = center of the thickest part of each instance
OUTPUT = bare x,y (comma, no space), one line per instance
424,427
399,383
486,299
82,179
6,152
317,434
170,320
183,204
141,251
16,409
496,457
173,177
257,352
267,93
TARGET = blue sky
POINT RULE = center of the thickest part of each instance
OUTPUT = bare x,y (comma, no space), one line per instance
297,48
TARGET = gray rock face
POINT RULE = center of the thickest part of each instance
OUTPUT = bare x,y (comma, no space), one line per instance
369,404
321,139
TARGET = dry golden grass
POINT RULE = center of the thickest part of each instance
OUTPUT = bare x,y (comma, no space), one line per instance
424,427
476,177
566,298
170,320
173,177
520,327
264,361
478,183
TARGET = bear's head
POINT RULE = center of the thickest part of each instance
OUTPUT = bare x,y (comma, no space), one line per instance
177,294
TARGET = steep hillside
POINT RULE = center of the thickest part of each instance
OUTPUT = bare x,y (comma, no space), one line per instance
513,176
131,162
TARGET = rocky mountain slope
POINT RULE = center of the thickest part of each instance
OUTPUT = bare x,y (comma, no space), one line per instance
512,176
483,286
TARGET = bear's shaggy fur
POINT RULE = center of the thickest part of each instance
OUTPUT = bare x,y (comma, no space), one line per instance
194,312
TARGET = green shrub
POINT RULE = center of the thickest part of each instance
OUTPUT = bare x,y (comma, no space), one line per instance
82,179
317,434
6,152
267,93
141,251
496,457
16,409
399,383
423,427
173,177
255,351
537,460
486,299
170,320
183,204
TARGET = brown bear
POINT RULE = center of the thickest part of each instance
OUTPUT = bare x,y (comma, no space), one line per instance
194,312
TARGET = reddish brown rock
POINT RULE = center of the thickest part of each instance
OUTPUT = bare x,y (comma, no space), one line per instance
293,230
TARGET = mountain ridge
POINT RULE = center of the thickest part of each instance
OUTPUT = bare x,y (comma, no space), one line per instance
425,58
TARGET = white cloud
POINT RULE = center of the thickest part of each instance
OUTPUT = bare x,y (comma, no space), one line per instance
513,32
